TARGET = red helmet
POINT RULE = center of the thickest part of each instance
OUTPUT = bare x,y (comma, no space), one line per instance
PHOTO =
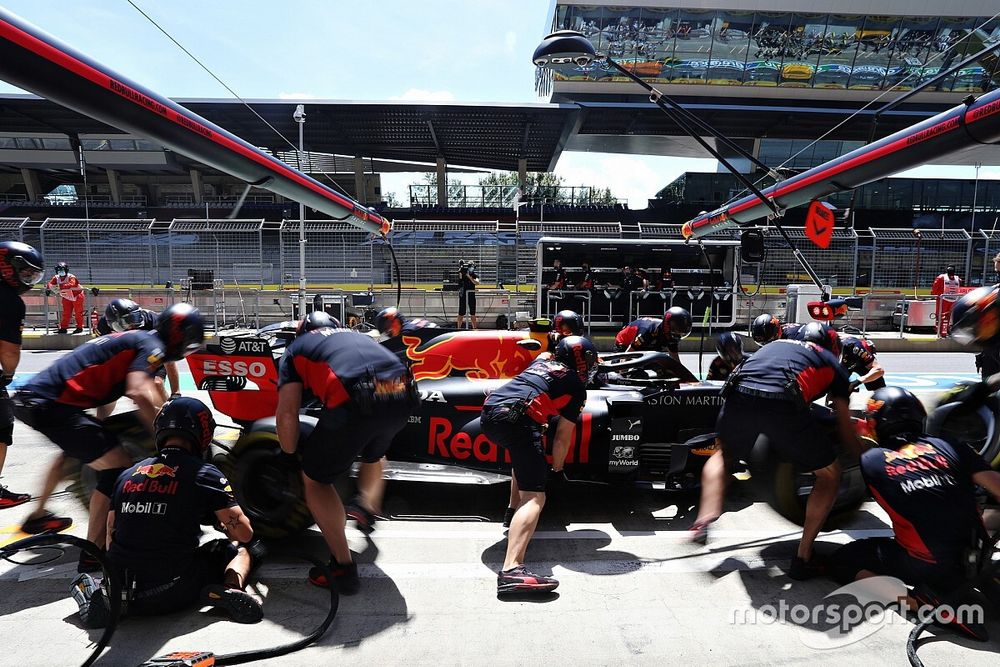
975,319
390,321
568,323
181,329
187,418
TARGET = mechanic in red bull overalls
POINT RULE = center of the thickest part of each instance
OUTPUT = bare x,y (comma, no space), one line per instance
20,269
71,296
565,323
155,522
730,354
391,323
653,333
367,396
766,328
514,417
928,489
100,371
771,394
858,357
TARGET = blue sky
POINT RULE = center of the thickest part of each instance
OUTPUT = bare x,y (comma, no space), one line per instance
463,50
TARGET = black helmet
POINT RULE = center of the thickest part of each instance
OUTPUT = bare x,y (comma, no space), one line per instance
317,319
119,314
893,411
823,335
181,329
390,321
729,345
568,323
975,319
580,355
187,418
62,266
765,328
20,265
677,322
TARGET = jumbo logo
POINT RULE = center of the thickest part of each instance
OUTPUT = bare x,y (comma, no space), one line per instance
226,367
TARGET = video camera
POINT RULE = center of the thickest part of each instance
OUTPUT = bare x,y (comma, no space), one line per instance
465,266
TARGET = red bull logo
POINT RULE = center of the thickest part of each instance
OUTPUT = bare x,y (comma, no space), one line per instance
477,355
908,452
155,470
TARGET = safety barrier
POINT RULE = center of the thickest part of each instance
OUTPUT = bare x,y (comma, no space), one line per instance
906,258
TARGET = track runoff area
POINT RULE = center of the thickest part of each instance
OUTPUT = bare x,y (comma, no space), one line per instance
632,588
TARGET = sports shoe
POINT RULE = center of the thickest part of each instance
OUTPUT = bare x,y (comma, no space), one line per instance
519,579
94,607
945,618
508,516
365,519
88,563
60,331
47,523
345,577
78,330
10,499
698,532
240,605
801,570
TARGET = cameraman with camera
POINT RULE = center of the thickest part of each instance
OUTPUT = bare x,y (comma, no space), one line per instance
467,281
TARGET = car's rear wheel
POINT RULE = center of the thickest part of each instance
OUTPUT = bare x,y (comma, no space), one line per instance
972,426
267,489
132,435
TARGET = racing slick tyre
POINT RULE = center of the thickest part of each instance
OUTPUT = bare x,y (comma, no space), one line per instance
975,426
786,488
267,488
134,437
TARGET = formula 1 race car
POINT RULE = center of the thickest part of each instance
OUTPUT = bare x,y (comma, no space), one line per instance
648,422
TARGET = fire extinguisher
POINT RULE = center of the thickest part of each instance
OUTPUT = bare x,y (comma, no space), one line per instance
94,318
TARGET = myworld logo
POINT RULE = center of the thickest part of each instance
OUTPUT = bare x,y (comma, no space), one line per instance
852,613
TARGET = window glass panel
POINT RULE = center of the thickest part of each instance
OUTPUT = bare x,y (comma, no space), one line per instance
840,47
692,46
7,142
763,66
96,144
122,145
56,144
730,47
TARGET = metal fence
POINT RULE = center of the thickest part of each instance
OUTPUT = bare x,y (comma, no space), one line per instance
224,247
430,251
913,258
335,252
11,228
529,233
100,251
989,242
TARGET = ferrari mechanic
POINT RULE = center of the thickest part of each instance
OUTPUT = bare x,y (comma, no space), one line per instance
154,528
927,487
96,373
21,268
653,333
514,417
771,394
367,395
729,346
391,323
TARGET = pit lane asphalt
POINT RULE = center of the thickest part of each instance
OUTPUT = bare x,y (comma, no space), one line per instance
633,591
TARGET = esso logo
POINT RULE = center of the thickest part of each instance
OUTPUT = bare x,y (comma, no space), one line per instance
254,369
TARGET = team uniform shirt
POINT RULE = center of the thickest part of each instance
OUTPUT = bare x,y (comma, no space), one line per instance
646,333
12,313
327,362
409,326
465,283
559,281
547,388
926,488
632,283
587,281
68,286
149,320
790,331
858,354
796,368
159,504
945,285
720,369
94,373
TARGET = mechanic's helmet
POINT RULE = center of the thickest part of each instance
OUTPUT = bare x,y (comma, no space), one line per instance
62,269
975,319
317,319
568,323
765,328
187,418
389,321
823,335
852,343
677,322
181,329
729,345
20,265
579,354
123,314
894,411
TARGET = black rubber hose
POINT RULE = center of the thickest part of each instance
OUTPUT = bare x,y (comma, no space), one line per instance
114,586
399,275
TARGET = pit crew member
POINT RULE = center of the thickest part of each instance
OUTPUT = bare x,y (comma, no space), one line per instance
653,333
96,373
71,296
927,487
514,417
367,395
559,275
858,357
21,268
771,394
154,528
730,354
766,328
391,323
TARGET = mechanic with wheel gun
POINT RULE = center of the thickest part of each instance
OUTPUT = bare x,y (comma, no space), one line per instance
367,396
21,268
391,323
927,487
126,315
729,346
154,529
514,417
766,328
653,333
98,372
771,394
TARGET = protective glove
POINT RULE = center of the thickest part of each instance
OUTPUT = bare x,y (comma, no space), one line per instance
557,480
48,292
291,461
